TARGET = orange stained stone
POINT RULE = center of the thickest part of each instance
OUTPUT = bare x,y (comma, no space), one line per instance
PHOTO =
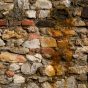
48,42
69,32
10,57
21,59
49,70
55,33
60,70
68,54
64,43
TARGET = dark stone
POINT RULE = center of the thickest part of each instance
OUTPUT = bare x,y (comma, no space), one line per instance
85,12
45,23
1,16
60,14
84,2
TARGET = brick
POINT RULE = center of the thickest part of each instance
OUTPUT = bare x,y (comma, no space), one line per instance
33,36
3,22
27,22
48,42
14,23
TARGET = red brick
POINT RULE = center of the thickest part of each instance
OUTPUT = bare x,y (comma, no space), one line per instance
33,36
14,23
27,22
3,22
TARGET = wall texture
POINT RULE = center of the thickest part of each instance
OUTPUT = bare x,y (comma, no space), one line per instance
43,43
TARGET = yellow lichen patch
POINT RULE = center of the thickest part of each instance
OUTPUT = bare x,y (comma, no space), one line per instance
17,33
49,70
69,32
67,54
60,70
55,33
48,42
64,43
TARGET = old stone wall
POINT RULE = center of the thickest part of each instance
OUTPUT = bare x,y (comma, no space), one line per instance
43,43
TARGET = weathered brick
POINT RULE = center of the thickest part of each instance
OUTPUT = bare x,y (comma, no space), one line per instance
33,36
27,22
3,22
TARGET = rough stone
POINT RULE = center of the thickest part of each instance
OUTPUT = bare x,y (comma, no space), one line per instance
9,1
14,67
82,86
78,69
10,57
3,80
32,85
60,70
60,3
45,23
59,84
19,50
44,13
43,4
31,14
46,85
71,82
35,58
22,4
35,67
6,6
55,33
69,32
85,12
49,70
32,44
18,79
18,34
48,42
2,42
13,85
33,29
26,68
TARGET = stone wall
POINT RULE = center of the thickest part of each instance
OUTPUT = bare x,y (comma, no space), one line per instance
43,43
